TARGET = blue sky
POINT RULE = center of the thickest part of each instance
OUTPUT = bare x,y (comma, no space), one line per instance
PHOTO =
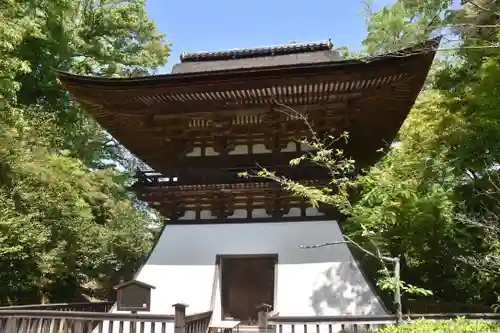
203,25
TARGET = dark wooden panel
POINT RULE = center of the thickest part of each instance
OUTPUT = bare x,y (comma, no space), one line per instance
247,283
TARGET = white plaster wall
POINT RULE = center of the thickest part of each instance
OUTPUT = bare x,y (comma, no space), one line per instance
256,213
323,281
240,149
258,148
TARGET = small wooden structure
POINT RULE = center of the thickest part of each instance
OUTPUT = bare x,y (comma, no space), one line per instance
133,296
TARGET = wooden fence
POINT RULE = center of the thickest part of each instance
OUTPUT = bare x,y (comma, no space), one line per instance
274,323
86,307
436,306
59,321
50,321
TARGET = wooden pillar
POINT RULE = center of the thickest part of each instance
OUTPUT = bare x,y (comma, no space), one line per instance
78,328
11,325
262,317
133,323
180,318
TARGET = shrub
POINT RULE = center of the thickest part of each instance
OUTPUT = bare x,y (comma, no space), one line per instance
448,326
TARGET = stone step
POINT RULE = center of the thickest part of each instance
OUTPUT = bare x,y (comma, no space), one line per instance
240,329
247,329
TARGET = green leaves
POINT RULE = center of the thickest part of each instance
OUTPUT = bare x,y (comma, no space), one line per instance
460,325
434,198
67,224
110,38
403,24
389,283
80,213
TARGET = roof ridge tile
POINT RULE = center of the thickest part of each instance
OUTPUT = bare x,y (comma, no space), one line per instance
272,50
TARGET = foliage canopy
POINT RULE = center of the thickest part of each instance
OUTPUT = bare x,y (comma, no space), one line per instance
68,224
451,326
434,196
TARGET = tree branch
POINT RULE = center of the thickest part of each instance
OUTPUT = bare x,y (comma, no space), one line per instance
480,7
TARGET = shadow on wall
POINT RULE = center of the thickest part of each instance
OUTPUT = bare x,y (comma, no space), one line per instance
342,290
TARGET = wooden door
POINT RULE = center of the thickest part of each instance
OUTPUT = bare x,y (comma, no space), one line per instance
246,283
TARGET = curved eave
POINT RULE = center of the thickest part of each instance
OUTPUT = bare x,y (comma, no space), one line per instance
423,50
179,79
179,93
133,110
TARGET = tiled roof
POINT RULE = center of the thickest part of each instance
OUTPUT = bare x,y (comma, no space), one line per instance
283,49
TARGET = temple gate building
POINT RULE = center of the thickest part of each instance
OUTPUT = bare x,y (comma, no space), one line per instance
231,244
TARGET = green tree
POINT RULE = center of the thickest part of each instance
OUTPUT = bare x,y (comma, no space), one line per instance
433,197
403,24
68,225
110,38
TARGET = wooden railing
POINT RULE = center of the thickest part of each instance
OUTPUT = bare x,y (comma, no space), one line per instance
50,321
198,323
86,307
269,323
225,176
435,306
